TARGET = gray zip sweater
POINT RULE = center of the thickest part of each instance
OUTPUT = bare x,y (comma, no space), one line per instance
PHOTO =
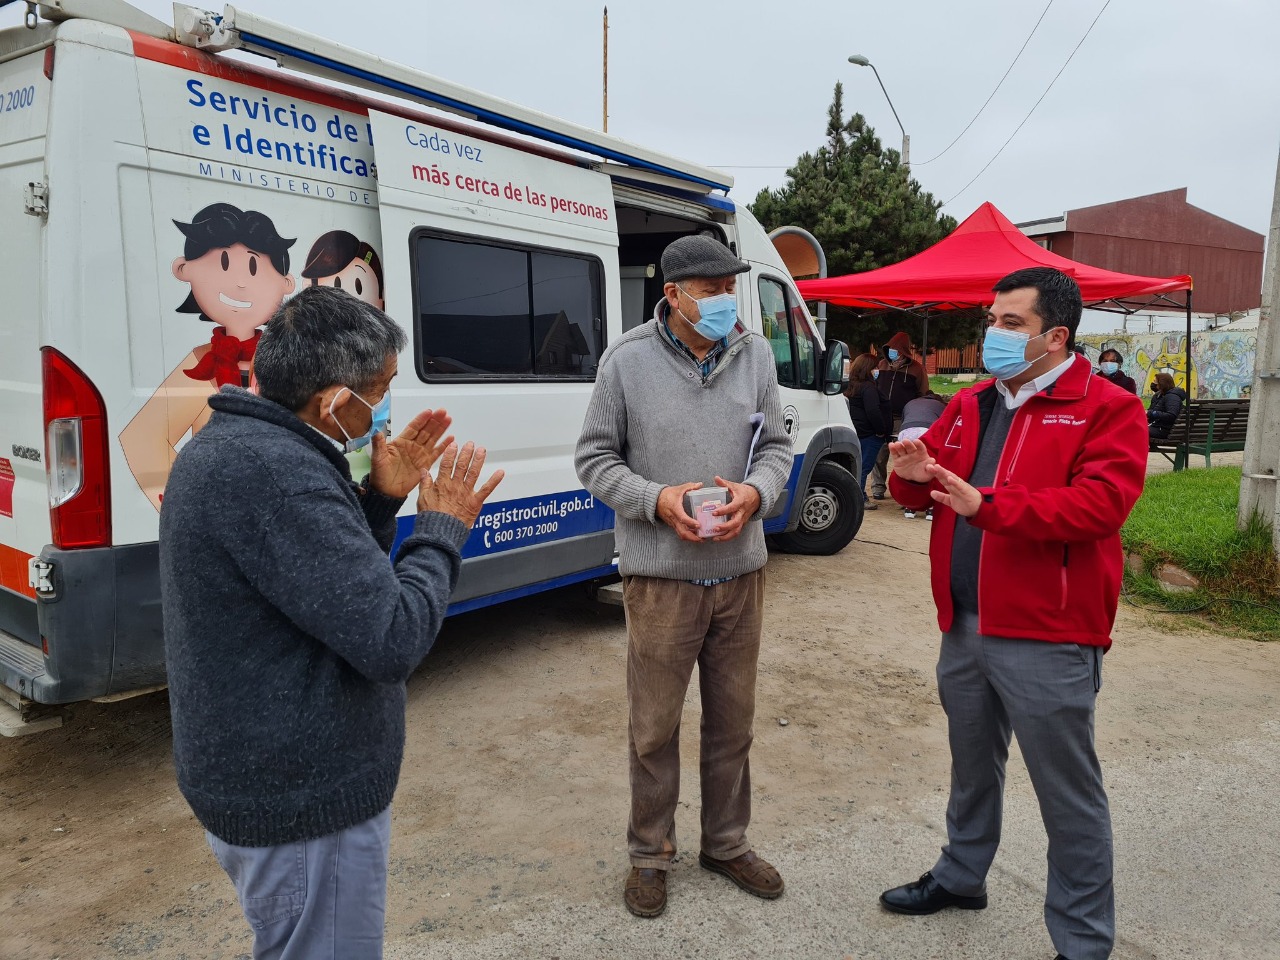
654,421
288,634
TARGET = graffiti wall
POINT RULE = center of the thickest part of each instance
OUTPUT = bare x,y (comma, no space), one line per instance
1221,360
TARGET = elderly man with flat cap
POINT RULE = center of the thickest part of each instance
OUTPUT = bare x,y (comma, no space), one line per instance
686,401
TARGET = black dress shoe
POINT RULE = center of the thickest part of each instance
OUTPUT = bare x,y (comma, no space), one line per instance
925,896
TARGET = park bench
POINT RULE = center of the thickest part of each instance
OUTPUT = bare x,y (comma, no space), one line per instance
1205,427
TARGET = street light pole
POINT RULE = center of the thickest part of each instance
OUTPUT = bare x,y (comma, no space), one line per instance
861,61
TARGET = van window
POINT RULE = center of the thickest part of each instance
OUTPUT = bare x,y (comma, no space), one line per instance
795,347
486,309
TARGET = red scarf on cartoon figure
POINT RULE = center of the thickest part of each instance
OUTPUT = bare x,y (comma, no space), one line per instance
222,362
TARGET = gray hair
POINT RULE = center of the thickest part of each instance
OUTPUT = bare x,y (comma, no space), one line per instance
321,337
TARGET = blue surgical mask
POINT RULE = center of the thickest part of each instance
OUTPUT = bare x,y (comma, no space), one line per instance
381,417
1004,352
893,354
1109,367
875,374
718,315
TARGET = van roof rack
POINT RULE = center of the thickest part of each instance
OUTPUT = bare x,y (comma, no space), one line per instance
116,12
236,29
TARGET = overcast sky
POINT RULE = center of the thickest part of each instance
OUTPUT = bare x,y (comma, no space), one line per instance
1163,93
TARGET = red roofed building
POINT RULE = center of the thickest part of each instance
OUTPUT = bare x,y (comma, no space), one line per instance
1160,235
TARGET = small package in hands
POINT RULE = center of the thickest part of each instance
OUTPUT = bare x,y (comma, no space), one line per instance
699,504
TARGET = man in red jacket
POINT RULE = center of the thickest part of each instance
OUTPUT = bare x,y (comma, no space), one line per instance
1032,475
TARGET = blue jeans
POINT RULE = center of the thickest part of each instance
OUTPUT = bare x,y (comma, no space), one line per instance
870,450
323,898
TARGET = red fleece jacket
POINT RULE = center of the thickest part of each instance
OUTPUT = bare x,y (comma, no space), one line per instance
1072,468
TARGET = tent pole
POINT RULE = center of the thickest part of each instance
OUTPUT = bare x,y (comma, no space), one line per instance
924,349
1190,390
1191,393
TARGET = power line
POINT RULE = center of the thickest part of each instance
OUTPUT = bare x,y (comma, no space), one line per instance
779,166
996,90
1034,105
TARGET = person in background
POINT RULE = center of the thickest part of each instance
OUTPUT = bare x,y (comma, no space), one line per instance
870,416
917,417
902,379
1109,364
1166,404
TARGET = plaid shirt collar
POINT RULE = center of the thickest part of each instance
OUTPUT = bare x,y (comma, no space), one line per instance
707,363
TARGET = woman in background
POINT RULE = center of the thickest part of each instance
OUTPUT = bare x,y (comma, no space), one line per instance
1166,404
1109,364
870,416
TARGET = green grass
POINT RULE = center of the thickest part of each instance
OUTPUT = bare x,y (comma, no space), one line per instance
949,386
1188,519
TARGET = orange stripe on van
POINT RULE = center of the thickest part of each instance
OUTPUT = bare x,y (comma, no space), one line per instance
176,55
13,571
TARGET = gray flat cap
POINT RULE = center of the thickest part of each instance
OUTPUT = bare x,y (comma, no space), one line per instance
697,256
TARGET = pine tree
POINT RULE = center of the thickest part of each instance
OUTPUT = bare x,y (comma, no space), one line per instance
856,197
867,211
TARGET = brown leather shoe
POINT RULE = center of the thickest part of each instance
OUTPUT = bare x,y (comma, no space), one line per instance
645,892
753,874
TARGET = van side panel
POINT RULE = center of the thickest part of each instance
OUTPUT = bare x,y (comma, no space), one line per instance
445,192
254,177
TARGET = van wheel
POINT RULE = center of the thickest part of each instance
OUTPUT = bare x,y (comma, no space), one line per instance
830,513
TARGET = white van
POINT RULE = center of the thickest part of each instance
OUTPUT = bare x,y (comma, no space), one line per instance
159,202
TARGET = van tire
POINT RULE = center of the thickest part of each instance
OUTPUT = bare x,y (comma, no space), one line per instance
830,514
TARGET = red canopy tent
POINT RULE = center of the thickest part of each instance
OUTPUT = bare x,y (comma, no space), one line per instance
959,271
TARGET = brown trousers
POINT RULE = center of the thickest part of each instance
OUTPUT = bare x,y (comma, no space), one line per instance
671,625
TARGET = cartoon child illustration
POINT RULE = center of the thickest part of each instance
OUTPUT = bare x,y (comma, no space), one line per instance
238,267
340,259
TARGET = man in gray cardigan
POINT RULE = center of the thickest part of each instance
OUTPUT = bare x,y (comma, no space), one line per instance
674,409
288,635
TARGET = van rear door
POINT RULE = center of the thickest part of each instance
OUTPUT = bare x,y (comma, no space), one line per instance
24,502
504,265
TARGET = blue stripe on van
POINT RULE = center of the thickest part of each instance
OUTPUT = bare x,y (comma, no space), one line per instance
478,603
779,523
526,522
509,524
529,521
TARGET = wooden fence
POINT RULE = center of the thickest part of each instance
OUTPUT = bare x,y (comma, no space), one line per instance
954,360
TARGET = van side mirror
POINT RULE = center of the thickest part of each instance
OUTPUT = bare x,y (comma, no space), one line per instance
835,368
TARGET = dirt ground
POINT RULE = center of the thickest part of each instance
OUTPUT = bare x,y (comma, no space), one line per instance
513,797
